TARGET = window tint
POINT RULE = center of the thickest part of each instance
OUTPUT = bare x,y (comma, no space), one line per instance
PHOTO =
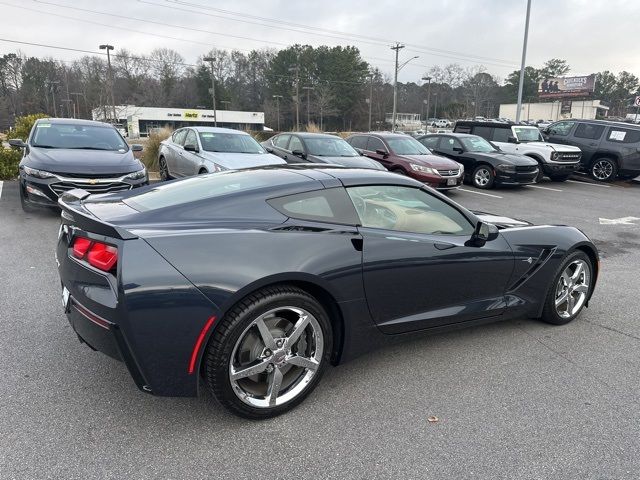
430,142
623,135
560,128
295,144
374,144
281,141
178,137
463,129
403,145
69,135
501,134
190,139
407,209
447,144
229,142
359,141
331,205
587,130
484,132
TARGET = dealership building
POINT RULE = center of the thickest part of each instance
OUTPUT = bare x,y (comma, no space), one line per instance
556,110
140,121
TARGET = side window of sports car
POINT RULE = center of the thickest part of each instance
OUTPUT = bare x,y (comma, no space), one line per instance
331,205
178,137
407,209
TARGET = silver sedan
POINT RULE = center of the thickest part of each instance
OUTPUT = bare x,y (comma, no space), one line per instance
197,150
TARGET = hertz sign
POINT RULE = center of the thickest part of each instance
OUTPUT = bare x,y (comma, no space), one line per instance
190,114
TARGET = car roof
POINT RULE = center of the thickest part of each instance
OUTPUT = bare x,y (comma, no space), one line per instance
217,130
384,134
476,123
73,121
450,134
312,135
601,122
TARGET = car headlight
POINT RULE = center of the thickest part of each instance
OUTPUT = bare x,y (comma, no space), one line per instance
505,167
554,155
461,168
32,172
137,175
423,169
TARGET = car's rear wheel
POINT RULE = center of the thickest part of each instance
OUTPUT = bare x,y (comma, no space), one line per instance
164,170
269,352
570,289
483,177
604,169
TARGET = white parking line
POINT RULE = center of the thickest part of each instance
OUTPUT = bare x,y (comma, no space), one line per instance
479,193
1,189
590,184
543,188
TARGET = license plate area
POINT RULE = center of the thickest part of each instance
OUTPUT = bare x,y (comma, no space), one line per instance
452,181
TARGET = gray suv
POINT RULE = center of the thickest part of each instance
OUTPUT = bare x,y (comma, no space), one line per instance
609,149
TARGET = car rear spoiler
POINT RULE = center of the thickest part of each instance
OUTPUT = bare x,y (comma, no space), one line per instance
75,213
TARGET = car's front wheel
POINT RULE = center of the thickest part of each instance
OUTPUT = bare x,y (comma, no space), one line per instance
483,177
164,169
570,289
269,352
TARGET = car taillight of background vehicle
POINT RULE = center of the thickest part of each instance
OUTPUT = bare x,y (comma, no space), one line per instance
97,254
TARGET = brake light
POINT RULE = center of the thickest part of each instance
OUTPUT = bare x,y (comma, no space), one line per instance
99,255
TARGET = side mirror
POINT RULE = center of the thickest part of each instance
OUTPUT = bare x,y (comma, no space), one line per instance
359,150
298,153
512,140
483,233
458,149
495,146
16,142
382,152
136,147
269,149
190,147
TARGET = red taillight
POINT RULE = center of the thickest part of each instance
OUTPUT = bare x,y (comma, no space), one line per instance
98,254
80,247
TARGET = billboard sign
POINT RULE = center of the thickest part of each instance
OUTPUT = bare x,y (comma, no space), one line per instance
566,86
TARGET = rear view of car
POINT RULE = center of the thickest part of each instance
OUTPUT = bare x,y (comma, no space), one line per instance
62,154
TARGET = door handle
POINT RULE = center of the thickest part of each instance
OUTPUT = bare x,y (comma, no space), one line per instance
443,246
285,157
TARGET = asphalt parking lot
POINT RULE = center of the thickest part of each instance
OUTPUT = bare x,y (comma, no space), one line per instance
514,399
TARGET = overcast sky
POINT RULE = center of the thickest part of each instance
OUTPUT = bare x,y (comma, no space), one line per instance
592,35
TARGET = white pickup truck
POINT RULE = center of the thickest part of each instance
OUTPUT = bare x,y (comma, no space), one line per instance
556,161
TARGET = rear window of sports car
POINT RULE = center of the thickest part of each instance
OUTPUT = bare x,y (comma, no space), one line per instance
207,186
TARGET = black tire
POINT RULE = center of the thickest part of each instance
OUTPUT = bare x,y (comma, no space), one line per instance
228,332
202,171
549,312
604,169
26,208
559,178
399,171
540,175
483,177
164,170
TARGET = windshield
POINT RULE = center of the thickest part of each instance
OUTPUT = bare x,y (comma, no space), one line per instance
477,144
84,137
229,143
528,134
407,146
329,147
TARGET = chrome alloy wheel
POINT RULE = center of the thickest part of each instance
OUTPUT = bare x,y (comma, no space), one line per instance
572,288
276,357
482,177
602,170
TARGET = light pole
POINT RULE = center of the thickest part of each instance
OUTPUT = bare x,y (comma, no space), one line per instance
212,90
428,79
435,106
78,102
278,97
397,47
308,89
296,68
108,48
524,59
52,85
370,97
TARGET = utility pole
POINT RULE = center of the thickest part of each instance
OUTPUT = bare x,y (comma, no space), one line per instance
524,58
308,89
108,48
52,85
370,97
397,47
435,107
212,90
278,97
428,79
78,94
296,68
225,102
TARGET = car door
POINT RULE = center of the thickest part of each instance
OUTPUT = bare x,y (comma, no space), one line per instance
559,132
280,144
587,136
189,161
419,268
374,146
296,144
451,147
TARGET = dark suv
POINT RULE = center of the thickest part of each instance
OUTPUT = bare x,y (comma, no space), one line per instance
609,149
